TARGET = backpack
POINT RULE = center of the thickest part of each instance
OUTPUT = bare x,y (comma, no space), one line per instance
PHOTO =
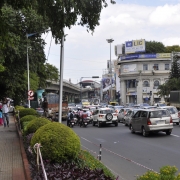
71,116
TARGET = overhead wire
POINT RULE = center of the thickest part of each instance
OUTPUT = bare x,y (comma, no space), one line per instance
49,48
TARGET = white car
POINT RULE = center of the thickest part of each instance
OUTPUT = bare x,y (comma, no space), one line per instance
104,116
173,111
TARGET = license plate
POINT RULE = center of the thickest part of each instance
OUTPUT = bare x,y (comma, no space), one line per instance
159,122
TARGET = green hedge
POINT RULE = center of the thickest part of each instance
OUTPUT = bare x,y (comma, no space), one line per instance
27,118
166,173
27,111
59,142
35,124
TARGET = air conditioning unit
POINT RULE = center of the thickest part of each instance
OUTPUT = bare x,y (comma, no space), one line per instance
118,49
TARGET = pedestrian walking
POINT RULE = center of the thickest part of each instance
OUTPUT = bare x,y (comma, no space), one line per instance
5,110
1,117
45,107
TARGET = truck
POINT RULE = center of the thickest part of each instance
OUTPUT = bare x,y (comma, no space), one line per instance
175,99
53,106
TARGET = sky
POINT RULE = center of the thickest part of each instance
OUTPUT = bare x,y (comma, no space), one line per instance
86,55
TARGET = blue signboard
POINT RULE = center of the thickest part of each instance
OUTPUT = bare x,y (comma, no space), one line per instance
145,56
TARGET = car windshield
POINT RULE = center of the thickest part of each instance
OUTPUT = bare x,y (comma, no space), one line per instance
106,111
159,114
172,110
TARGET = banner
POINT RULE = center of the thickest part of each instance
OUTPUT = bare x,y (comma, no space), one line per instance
106,83
129,68
135,46
145,56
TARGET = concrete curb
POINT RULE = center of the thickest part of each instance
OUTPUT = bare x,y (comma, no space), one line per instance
27,172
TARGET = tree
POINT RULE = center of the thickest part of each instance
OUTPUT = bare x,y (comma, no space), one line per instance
174,48
155,47
175,68
19,18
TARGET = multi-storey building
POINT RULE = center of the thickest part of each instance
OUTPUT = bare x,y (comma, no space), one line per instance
140,76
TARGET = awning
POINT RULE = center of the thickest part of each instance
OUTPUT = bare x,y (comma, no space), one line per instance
131,94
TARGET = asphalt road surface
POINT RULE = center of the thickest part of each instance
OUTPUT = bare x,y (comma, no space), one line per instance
130,155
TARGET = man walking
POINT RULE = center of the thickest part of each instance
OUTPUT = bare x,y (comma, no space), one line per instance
5,110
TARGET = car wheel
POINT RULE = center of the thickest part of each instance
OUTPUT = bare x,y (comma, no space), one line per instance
144,132
168,132
177,123
116,124
94,123
109,116
99,124
131,128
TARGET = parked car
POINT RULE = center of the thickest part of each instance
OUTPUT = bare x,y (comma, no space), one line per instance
174,113
104,116
122,113
129,115
146,121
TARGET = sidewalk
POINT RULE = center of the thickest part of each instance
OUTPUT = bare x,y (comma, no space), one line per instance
13,161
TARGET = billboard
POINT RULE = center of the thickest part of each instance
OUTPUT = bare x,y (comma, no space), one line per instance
135,46
129,68
106,83
145,56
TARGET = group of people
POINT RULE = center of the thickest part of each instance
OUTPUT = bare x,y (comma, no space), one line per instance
4,109
80,115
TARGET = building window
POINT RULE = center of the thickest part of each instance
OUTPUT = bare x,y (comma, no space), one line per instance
156,67
145,84
145,67
156,84
166,66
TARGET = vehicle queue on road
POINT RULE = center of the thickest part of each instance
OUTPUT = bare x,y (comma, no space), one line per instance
141,117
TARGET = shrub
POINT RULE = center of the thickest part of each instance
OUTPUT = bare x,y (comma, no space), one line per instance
35,124
27,111
19,107
59,142
166,173
94,164
27,118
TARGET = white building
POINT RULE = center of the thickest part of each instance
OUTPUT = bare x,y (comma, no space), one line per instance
140,76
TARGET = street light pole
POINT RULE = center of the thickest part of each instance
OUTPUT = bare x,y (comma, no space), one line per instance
28,74
61,79
110,41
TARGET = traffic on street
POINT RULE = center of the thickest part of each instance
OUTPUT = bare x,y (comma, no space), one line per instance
130,155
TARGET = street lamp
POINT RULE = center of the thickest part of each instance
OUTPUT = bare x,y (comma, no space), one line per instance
110,41
81,85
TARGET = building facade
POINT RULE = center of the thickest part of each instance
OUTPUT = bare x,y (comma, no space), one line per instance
141,77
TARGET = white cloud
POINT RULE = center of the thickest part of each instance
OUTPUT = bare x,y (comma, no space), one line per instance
86,55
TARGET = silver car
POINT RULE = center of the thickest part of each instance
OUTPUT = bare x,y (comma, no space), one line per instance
129,115
122,113
146,121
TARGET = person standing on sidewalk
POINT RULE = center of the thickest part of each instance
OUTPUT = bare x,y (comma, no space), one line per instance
5,110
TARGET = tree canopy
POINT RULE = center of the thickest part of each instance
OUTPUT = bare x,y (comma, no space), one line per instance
22,17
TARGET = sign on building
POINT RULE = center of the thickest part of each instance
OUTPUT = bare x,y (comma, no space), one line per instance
135,46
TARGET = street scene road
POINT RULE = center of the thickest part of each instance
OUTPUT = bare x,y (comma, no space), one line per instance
128,155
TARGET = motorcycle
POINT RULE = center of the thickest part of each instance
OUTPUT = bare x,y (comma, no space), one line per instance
84,122
72,123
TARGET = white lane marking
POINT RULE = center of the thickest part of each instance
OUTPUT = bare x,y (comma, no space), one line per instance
175,135
134,162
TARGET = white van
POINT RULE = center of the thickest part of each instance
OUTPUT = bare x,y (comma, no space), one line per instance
174,113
